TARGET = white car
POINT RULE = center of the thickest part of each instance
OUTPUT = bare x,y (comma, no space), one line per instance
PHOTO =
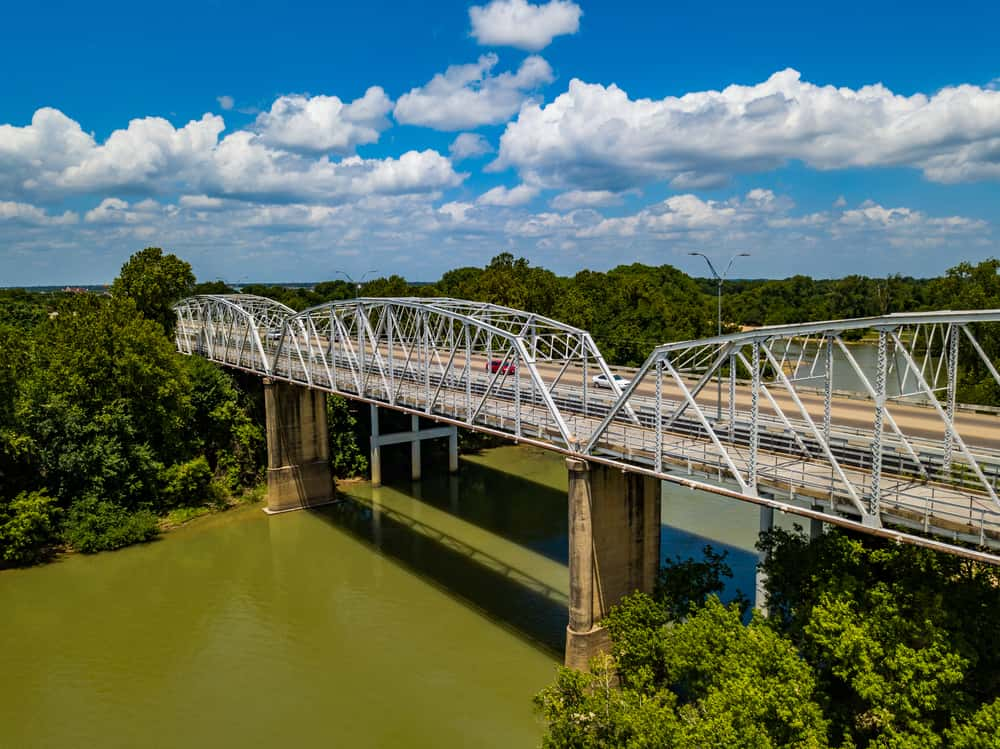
601,381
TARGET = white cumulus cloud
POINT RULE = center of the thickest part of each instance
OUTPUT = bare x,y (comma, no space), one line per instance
31,215
242,167
118,211
585,199
321,124
518,23
467,96
503,196
52,157
594,137
469,146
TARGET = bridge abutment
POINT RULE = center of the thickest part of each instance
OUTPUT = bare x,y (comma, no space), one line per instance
614,549
298,448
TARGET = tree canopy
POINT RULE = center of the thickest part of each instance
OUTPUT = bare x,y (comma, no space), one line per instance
869,644
154,281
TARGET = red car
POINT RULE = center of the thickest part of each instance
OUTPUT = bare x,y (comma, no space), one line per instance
497,365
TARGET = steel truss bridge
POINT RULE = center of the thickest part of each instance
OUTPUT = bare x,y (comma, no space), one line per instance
754,415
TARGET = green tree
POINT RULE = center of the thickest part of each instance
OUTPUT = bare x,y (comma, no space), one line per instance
223,425
347,459
154,281
27,527
980,731
103,404
901,638
717,682
213,287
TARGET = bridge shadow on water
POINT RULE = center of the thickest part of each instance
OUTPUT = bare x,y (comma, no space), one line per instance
494,540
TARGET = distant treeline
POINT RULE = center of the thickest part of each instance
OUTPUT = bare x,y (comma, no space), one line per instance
632,308
105,429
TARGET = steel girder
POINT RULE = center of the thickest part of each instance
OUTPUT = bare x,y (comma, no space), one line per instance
783,434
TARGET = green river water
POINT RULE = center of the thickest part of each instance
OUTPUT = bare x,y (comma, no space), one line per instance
413,615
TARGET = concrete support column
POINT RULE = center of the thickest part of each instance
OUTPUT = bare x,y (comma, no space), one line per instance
376,457
298,448
815,526
614,549
453,451
760,579
415,449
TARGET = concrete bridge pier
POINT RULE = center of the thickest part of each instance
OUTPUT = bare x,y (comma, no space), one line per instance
298,448
415,436
760,579
614,549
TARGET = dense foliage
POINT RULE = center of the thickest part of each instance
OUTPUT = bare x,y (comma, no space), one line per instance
104,427
868,644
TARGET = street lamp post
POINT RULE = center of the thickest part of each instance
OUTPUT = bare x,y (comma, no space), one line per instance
360,280
718,280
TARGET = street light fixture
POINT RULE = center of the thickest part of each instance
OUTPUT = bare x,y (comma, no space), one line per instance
357,283
719,279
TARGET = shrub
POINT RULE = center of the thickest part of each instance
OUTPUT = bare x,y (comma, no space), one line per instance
27,527
189,483
98,525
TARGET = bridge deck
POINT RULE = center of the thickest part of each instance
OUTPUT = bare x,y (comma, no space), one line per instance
776,439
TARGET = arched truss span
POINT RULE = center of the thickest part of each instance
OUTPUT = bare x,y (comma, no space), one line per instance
232,329
802,411
481,364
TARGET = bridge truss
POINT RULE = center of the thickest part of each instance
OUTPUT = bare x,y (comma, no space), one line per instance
758,411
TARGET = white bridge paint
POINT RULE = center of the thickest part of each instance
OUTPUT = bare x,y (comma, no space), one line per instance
527,378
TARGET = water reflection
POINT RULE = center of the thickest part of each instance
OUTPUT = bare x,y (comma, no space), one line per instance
501,549
372,622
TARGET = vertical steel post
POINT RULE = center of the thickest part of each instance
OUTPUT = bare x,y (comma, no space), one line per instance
658,462
718,375
334,355
427,362
468,374
828,389
732,398
361,350
754,416
517,394
949,430
876,486
389,315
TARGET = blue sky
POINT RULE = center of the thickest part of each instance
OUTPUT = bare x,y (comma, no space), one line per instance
287,143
